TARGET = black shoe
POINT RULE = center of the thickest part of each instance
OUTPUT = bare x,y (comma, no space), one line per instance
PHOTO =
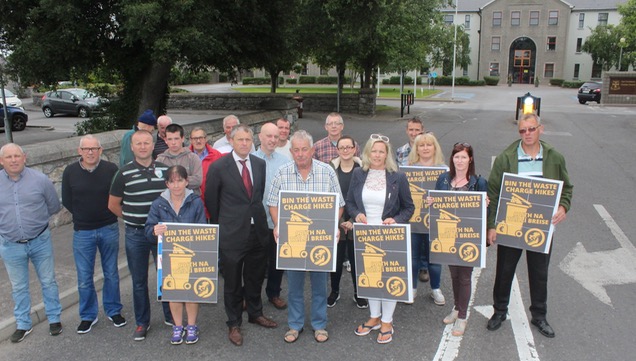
544,327
55,328
332,299
118,320
19,335
85,326
361,302
495,321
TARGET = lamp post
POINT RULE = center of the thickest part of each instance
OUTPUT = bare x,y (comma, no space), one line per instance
454,51
620,56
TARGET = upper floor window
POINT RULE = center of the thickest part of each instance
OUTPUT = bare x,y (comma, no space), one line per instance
579,43
551,43
581,20
553,17
515,18
449,19
602,18
496,18
534,18
495,45
467,22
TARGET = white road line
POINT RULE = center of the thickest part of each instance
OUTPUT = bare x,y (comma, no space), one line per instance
520,325
616,230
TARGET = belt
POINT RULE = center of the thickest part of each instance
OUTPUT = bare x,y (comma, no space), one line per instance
22,241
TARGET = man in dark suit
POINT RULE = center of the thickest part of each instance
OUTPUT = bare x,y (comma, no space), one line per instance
233,195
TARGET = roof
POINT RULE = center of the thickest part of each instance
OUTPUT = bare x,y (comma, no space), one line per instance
476,5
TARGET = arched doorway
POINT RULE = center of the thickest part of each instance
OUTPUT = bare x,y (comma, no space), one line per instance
521,60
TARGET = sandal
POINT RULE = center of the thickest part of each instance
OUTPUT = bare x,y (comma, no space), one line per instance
321,336
366,329
292,335
381,336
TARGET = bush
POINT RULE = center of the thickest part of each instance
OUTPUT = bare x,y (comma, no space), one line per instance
396,80
95,124
223,78
327,80
491,80
448,80
305,79
572,84
180,76
291,81
256,81
476,82
556,82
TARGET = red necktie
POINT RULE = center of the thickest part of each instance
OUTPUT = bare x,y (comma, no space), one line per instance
247,181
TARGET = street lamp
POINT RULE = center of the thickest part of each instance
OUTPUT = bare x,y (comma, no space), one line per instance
620,57
454,50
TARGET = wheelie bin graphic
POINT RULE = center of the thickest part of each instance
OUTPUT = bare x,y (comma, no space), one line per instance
297,236
180,266
372,259
418,194
447,229
516,211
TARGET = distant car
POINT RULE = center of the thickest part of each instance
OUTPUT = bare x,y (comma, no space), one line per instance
75,101
17,116
12,99
590,91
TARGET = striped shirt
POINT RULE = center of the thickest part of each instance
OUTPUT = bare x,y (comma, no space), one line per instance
138,187
321,178
529,166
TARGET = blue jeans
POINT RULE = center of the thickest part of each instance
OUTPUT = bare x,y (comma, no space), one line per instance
16,260
138,248
420,251
296,299
85,246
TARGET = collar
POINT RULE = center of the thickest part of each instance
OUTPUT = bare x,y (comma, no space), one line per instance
523,155
237,158
89,170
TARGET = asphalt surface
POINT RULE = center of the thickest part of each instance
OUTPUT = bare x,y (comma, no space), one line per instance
596,141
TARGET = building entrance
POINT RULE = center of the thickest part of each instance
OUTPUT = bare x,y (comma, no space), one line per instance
522,60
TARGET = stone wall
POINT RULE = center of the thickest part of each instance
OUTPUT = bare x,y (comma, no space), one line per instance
624,79
53,156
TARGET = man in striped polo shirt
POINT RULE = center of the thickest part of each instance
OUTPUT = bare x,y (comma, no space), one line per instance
135,186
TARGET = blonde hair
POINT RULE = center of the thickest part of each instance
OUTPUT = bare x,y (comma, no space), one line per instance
390,164
414,157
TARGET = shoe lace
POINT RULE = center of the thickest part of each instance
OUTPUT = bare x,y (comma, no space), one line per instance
192,331
177,331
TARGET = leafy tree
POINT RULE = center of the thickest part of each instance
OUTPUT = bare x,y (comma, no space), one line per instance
441,53
602,45
628,25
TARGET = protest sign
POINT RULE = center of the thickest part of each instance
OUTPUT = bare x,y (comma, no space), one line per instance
421,179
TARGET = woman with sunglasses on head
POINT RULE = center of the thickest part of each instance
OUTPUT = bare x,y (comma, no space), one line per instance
426,152
378,194
344,165
177,204
460,177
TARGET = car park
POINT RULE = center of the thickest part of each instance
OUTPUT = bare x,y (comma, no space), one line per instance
590,92
75,101
11,98
16,115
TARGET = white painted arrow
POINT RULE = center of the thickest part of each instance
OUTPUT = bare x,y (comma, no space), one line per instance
598,269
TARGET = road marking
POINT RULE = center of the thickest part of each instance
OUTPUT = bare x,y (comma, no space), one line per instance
448,348
594,270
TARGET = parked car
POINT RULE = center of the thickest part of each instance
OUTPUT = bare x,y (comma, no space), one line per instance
590,91
17,116
12,99
74,101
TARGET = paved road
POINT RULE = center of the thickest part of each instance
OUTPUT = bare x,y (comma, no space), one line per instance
592,281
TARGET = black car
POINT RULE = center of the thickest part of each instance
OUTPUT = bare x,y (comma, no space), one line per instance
17,116
590,91
74,101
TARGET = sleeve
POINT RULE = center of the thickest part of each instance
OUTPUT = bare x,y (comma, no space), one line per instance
117,187
406,201
566,192
494,187
272,197
352,207
50,195
195,178
67,194
199,211
212,193
335,186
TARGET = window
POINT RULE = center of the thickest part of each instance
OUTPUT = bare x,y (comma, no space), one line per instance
449,19
551,43
495,45
534,18
597,70
467,22
579,43
515,18
602,18
581,20
304,70
553,17
496,18
577,68
548,70
494,69
324,71
465,72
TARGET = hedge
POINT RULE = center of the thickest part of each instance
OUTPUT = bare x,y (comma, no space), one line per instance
291,81
396,80
572,84
556,82
491,80
261,81
305,79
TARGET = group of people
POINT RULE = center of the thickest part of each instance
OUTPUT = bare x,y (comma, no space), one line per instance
233,185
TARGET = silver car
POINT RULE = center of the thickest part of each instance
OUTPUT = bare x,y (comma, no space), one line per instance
75,101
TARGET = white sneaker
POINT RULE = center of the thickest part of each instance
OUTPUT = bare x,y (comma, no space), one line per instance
414,295
438,297
451,317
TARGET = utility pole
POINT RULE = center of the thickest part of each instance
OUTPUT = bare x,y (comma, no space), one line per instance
7,122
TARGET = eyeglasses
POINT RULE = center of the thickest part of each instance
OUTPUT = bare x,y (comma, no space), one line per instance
346,147
528,129
197,138
381,137
465,145
90,149
333,124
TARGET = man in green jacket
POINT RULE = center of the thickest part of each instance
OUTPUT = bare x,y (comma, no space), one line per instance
529,157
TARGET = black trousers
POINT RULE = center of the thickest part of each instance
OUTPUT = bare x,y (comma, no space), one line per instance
274,276
243,273
345,247
507,259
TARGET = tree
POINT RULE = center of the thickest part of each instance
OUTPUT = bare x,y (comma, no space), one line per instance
602,45
441,53
628,24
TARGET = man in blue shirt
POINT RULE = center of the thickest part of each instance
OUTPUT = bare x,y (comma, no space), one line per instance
27,201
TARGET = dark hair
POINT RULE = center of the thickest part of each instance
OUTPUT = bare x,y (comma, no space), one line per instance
458,147
173,128
416,121
175,172
345,137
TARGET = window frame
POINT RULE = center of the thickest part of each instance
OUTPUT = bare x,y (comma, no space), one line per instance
581,20
467,21
551,43
497,18
603,18
497,43
553,20
515,21
537,18
579,44
545,70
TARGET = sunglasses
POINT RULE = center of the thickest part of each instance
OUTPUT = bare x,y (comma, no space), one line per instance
380,137
465,145
528,129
